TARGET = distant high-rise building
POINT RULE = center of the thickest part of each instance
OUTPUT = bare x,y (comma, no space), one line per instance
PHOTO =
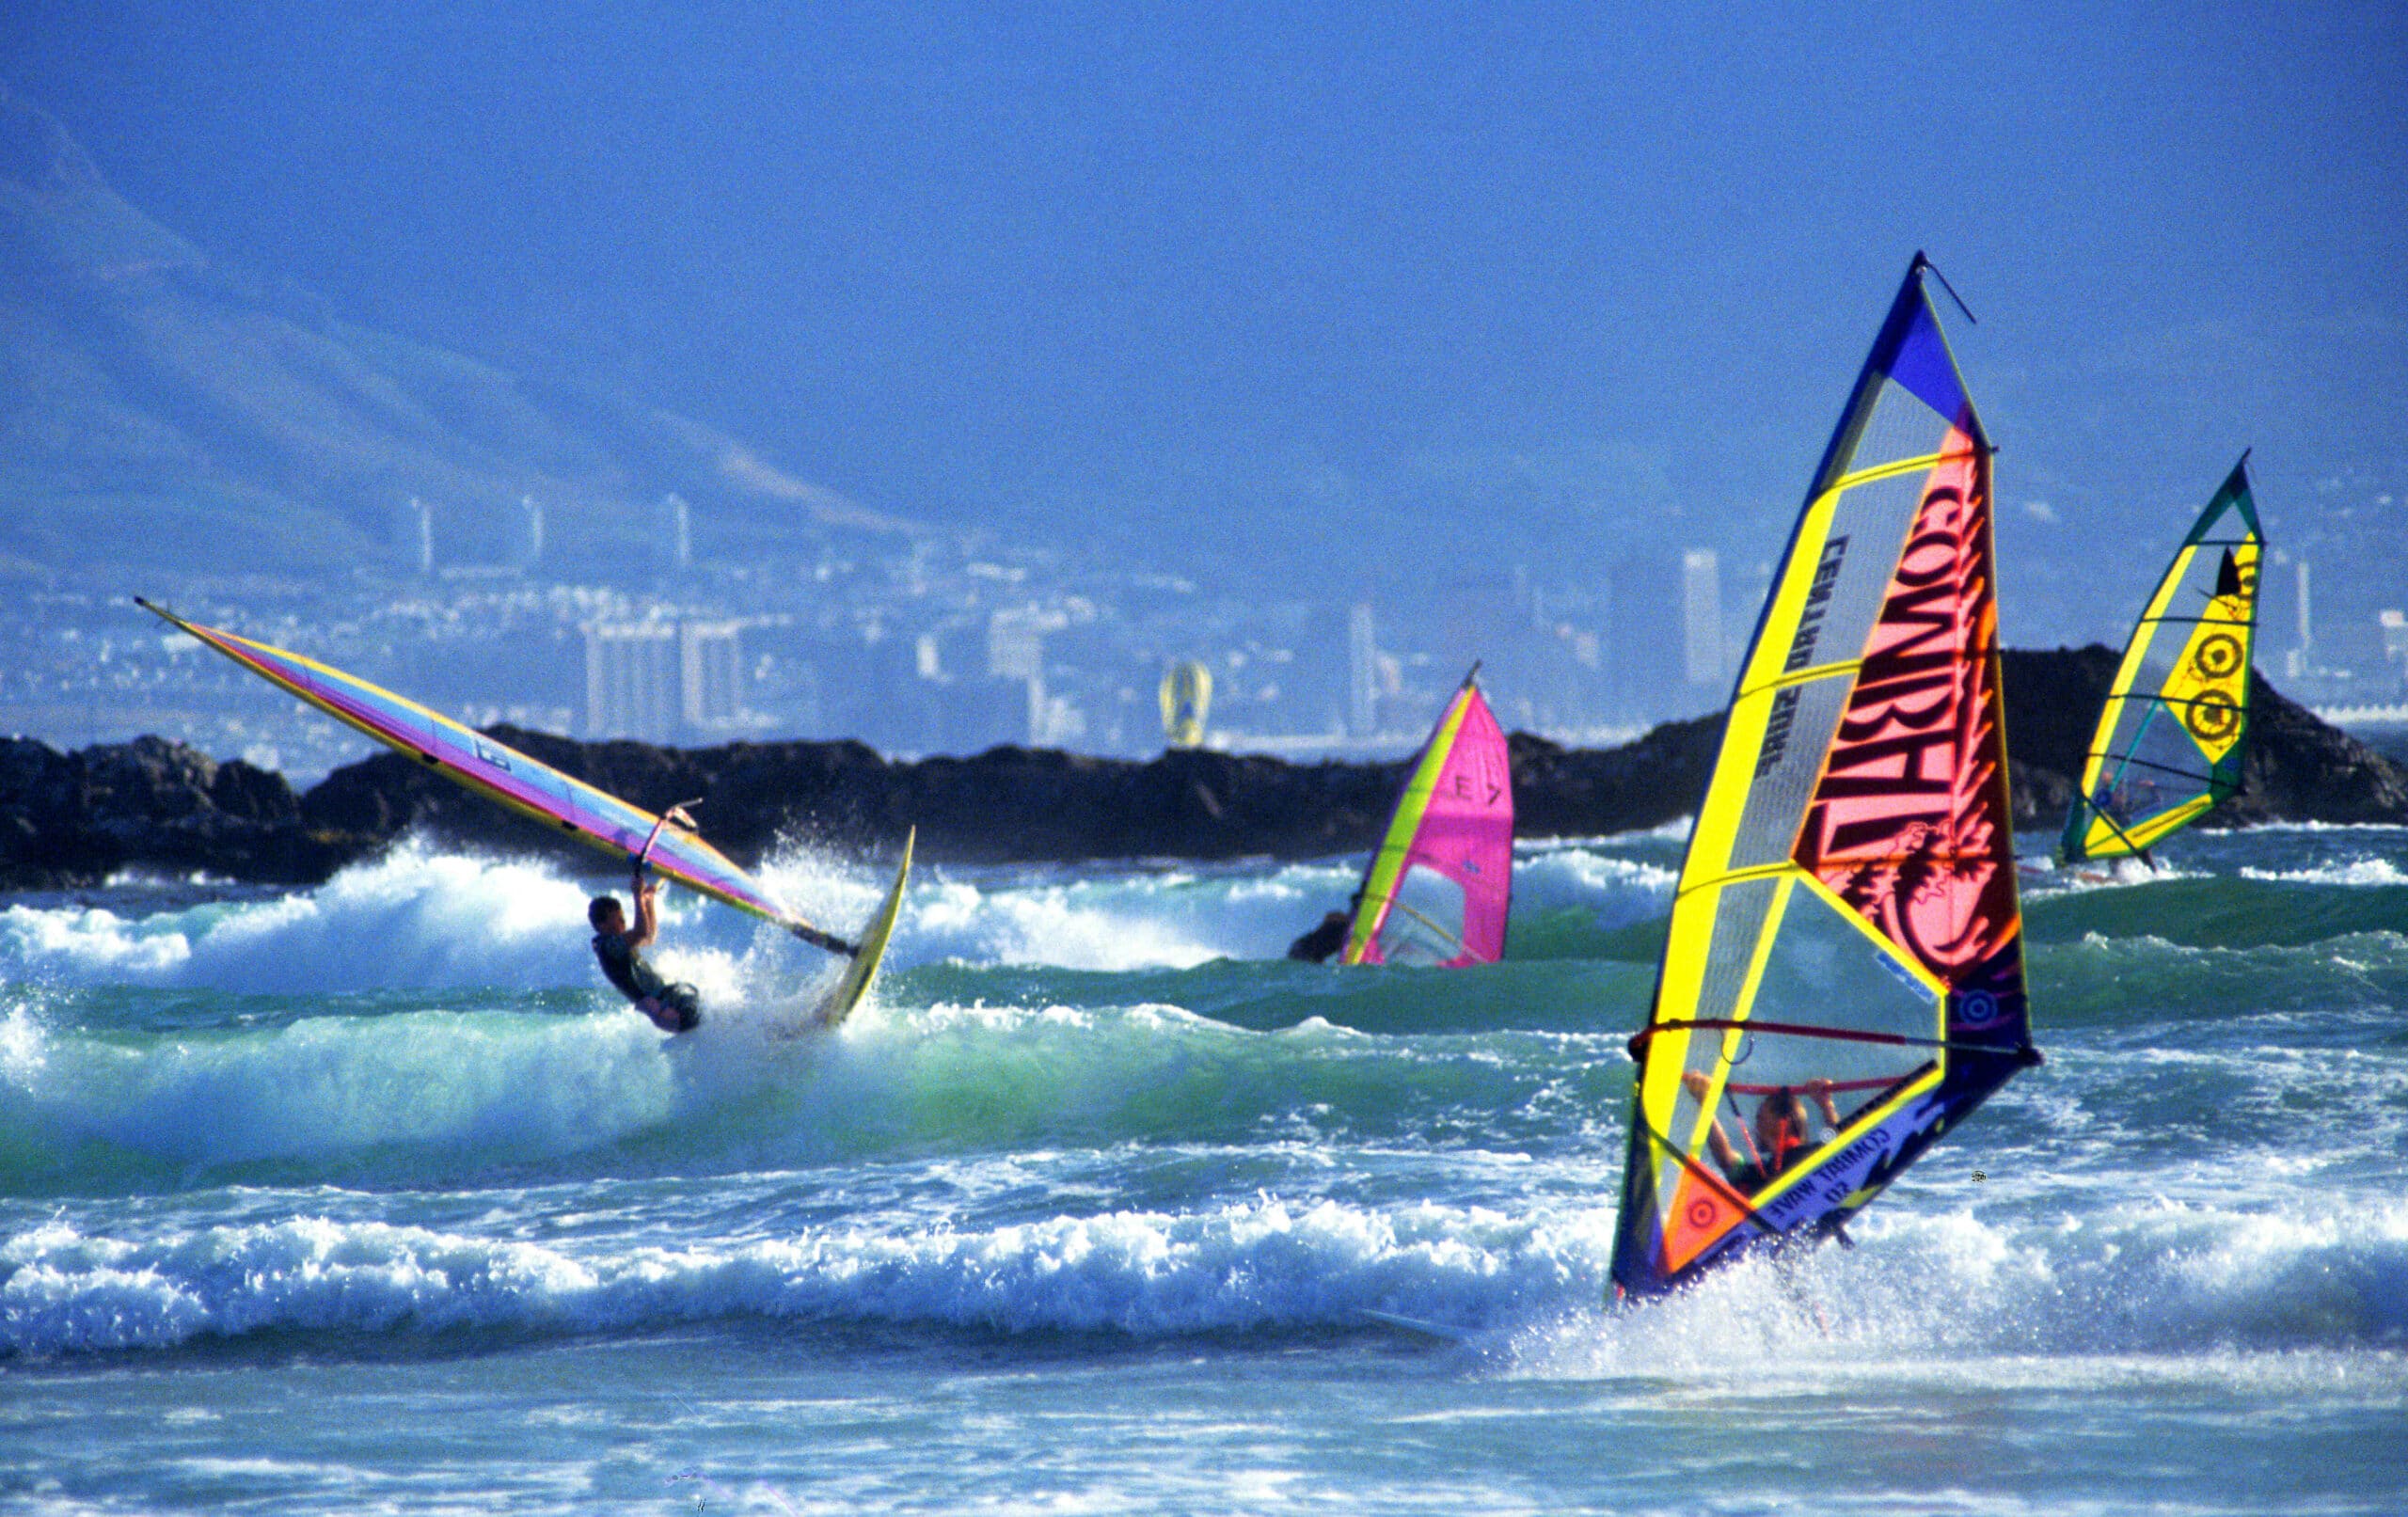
680,521
633,677
711,668
1016,644
1701,617
414,531
1646,643
534,514
1362,671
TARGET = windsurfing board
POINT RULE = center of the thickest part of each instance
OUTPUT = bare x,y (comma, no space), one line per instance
862,974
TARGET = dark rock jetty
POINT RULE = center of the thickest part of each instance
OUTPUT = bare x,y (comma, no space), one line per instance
73,820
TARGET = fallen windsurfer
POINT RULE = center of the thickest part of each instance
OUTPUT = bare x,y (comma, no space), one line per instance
1779,1135
672,1008
1317,946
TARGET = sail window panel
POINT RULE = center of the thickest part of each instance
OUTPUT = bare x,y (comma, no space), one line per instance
1425,919
2197,592
1788,766
1874,517
1847,581
1901,427
2154,767
1823,971
1739,914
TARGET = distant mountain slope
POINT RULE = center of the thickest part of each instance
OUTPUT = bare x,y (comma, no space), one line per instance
160,407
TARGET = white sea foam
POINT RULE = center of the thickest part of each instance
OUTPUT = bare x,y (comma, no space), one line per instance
1264,1264
413,918
2376,871
421,919
1620,890
426,1096
2157,1281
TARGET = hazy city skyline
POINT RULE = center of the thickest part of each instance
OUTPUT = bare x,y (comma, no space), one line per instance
1471,316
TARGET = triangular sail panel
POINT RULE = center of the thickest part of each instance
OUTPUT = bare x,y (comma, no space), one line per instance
1438,890
502,773
1844,976
2173,733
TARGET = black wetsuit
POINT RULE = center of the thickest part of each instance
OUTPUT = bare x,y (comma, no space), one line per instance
622,965
1322,940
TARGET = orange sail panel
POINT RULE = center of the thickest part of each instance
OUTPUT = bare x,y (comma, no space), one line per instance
501,773
1842,978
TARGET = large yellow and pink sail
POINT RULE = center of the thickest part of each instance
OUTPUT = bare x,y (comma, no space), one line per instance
1846,926
1440,886
502,773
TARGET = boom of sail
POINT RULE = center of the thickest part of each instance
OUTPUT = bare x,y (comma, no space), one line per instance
2175,730
1843,976
1441,885
502,773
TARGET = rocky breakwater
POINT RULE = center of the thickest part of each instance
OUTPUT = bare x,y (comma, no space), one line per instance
2298,768
75,819
70,820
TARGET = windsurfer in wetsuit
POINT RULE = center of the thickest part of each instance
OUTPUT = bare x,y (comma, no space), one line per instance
1780,1134
1321,941
673,1008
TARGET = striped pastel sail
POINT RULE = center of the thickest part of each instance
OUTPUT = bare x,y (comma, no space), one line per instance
502,773
1441,885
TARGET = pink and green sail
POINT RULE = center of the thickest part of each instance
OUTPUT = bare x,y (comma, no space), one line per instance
1438,891
502,773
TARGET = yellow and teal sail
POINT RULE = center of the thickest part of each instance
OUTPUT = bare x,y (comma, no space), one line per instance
1843,979
1187,699
502,774
2174,730
1441,886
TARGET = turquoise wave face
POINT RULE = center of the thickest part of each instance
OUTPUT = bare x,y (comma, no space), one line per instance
399,1106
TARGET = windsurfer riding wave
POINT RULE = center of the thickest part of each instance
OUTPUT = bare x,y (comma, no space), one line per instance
673,1007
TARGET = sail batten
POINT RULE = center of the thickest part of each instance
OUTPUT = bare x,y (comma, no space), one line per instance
1440,886
2172,735
1842,974
502,774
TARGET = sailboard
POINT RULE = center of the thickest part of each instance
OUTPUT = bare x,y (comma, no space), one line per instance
1440,886
1843,979
502,774
2175,730
860,975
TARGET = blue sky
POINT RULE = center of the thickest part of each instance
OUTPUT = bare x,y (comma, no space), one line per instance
1258,286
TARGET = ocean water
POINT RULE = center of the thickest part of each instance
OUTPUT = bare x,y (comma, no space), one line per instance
368,1197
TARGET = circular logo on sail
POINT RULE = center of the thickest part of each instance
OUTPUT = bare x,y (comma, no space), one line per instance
2217,656
1976,1008
2211,719
1703,1212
